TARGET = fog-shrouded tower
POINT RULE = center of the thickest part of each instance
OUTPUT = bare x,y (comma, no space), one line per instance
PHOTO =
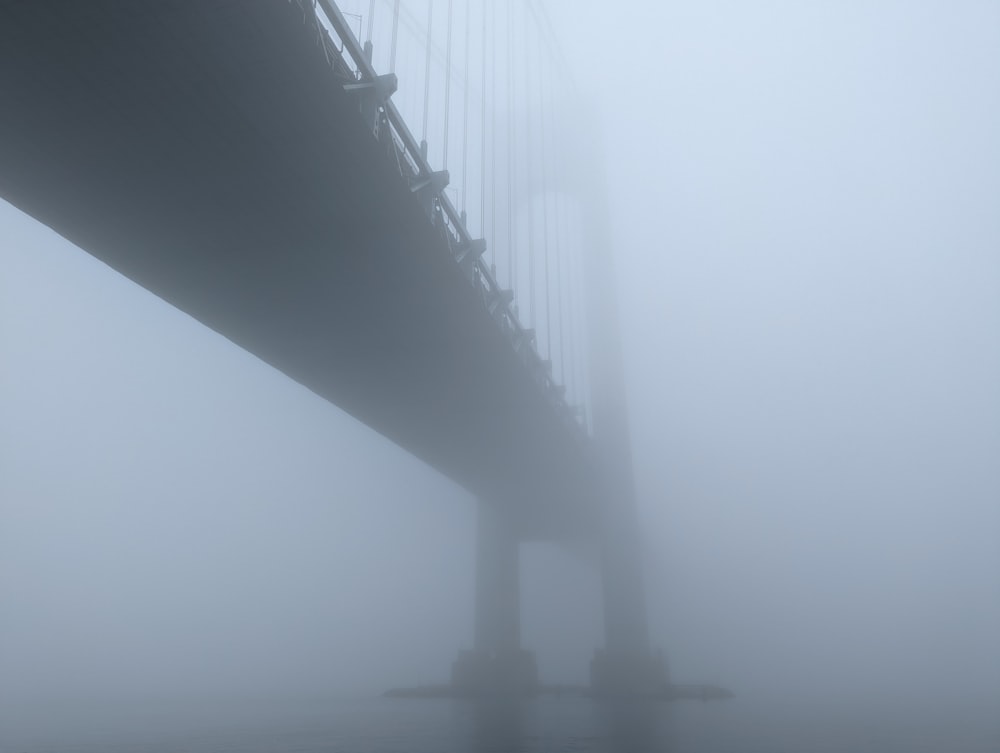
626,664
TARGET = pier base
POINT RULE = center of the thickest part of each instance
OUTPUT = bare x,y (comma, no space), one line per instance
497,665
621,673
500,673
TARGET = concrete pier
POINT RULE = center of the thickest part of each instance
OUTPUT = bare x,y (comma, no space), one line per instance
497,664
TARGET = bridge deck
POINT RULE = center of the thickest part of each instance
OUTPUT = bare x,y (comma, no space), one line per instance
206,151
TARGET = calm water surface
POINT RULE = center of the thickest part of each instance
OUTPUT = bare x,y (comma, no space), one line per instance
381,725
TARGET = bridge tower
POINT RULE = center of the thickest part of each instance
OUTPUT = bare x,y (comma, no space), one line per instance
626,664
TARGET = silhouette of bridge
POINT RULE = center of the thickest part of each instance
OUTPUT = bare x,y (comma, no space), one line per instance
245,161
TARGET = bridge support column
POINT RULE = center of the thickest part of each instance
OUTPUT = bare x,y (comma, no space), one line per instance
626,665
497,664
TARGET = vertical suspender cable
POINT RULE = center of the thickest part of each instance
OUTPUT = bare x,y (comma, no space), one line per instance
576,354
447,87
559,277
559,297
465,112
583,347
544,160
482,143
571,313
511,256
371,20
395,36
527,153
543,169
557,218
427,69
493,137
552,246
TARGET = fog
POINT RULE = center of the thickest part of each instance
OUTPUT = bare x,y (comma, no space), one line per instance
807,245
810,262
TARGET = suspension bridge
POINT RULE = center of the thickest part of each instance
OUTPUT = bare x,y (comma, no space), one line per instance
255,163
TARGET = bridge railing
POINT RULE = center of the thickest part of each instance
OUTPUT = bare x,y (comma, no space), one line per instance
352,63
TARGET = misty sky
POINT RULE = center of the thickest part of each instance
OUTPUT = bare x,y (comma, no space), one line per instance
806,201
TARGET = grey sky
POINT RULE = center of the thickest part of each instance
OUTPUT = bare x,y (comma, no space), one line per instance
808,250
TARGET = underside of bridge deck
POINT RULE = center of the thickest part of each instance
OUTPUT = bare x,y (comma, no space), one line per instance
206,151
